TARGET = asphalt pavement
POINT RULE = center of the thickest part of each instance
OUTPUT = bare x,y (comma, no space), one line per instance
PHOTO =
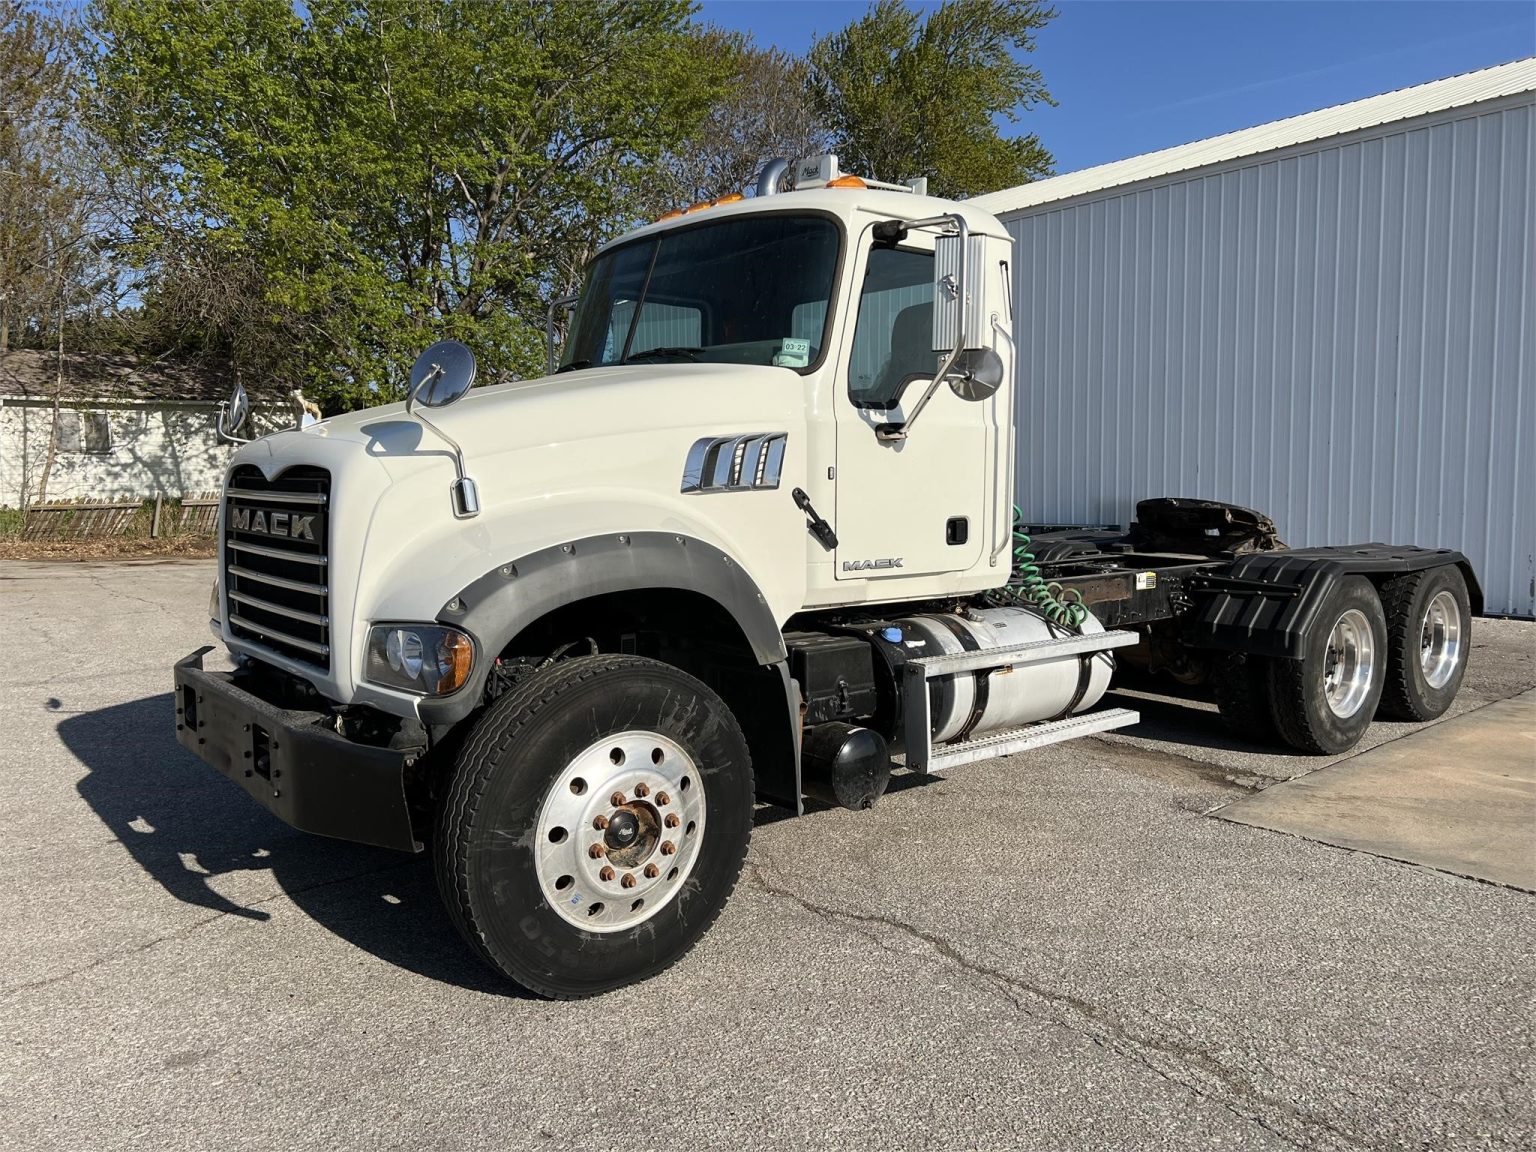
1058,950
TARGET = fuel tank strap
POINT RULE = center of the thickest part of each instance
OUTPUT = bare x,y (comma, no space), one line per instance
980,678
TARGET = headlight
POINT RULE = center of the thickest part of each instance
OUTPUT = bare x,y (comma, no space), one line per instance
423,658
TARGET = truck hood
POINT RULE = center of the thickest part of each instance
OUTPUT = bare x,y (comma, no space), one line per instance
592,403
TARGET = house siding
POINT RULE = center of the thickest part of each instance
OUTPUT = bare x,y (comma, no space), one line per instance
169,450
1339,335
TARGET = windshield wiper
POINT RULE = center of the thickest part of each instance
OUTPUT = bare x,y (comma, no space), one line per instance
573,366
688,353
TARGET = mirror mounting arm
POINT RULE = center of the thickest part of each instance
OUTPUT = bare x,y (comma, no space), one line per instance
952,222
466,496
555,305
221,427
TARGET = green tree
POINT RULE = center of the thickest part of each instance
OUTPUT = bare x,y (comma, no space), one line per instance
903,96
764,112
359,177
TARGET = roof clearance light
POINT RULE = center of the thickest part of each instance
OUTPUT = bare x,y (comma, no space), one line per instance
846,182
703,204
672,215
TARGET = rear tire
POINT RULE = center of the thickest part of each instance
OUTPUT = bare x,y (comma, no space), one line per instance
1429,633
597,821
1323,703
1240,683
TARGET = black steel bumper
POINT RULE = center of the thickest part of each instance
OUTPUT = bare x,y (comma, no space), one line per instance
304,773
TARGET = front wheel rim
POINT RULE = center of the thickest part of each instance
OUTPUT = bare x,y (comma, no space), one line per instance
619,831
1440,639
1349,667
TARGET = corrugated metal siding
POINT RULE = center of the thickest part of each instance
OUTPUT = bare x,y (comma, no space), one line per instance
1421,100
1340,338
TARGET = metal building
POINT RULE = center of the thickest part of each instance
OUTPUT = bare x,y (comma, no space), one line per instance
1328,318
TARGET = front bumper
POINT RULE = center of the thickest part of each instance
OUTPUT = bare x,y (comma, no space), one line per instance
303,772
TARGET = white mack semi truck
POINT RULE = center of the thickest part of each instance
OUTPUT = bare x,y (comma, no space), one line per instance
752,537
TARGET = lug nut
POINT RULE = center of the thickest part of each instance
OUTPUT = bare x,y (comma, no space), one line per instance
629,880
642,790
672,820
663,799
606,875
597,851
600,823
651,871
617,799
667,847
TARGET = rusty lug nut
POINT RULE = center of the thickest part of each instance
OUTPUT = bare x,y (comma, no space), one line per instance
672,821
597,851
600,822
629,880
642,790
606,874
667,847
651,871
663,799
617,799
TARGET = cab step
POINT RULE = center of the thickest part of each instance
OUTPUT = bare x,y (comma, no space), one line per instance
924,756
1007,741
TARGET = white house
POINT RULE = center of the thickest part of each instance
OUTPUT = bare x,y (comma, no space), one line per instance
117,429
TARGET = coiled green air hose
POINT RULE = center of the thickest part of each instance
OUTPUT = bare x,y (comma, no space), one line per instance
1027,588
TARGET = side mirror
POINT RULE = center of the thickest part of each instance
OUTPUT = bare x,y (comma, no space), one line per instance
441,375
977,374
959,306
565,303
234,413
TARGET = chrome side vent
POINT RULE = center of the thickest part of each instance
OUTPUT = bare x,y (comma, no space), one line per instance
275,561
735,463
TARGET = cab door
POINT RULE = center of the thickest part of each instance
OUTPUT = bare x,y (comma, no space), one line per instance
912,507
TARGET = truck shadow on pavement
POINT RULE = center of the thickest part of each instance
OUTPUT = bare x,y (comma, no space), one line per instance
187,826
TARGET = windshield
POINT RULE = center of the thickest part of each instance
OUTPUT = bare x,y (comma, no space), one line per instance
744,290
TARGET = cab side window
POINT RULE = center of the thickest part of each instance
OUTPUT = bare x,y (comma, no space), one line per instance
893,335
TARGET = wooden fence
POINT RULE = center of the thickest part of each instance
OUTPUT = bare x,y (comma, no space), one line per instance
189,516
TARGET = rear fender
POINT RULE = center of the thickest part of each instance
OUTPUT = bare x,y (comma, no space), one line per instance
1267,603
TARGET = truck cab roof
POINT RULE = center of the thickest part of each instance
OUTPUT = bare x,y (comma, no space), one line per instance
846,203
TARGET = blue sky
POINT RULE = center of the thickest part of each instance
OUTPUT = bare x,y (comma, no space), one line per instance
1132,76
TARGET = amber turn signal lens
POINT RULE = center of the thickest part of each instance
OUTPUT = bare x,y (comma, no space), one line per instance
847,182
454,656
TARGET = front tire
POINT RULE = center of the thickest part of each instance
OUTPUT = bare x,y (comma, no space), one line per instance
1323,703
597,821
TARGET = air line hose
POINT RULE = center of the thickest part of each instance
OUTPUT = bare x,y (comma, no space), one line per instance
1027,588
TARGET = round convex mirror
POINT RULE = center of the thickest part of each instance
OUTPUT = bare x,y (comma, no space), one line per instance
442,374
239,410
977,374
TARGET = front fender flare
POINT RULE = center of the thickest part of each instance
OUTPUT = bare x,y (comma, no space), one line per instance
496,607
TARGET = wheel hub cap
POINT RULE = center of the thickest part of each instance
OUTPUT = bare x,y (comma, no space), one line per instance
619,831
1349,669
1440,639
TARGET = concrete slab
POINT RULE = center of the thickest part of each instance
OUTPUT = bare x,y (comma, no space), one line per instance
1459,796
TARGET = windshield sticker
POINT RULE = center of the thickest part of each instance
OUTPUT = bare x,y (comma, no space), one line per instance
793,353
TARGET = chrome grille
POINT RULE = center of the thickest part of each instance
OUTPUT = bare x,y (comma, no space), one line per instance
276,581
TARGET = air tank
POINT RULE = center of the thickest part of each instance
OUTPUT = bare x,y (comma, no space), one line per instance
969,704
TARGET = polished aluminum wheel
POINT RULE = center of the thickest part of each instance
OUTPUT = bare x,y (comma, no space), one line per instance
620,831
1440,639
1350,667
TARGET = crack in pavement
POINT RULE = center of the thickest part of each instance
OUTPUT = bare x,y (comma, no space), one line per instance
16,990
1099,1027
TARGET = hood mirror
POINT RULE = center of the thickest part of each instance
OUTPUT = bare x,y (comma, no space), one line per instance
234,414
977,374
441,375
